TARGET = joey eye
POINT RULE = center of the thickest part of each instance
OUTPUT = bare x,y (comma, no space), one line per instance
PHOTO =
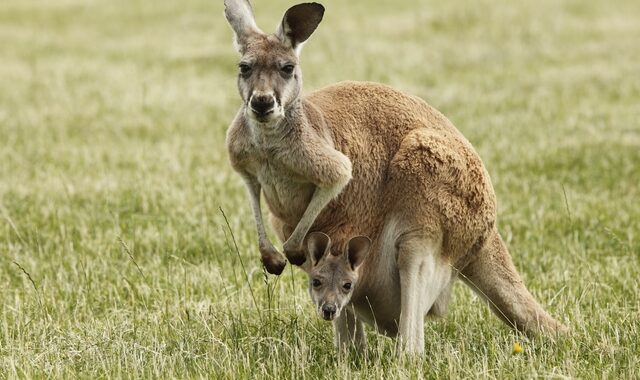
287,69
316,283
347,286
245,69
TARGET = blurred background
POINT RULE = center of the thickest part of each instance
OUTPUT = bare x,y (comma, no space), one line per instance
116,260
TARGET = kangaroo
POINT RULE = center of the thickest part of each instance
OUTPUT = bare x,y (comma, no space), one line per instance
360,158
338,289
333,279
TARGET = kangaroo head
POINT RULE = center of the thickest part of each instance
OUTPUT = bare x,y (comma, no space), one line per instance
270,79
334,275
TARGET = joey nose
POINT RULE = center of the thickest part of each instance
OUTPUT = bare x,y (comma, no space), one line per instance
262,104
328,311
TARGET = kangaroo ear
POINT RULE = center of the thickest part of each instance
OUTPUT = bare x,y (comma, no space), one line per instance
358,250
318,244
299,22
240,17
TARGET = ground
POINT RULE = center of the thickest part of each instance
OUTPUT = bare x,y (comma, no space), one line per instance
116,259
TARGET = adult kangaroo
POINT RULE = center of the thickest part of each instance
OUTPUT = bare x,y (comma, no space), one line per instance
359,158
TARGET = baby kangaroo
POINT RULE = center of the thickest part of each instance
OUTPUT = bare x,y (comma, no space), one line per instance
333,279
360,158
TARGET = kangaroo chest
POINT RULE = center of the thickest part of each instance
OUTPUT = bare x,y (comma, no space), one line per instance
286,193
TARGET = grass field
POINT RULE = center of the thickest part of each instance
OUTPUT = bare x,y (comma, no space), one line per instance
116,261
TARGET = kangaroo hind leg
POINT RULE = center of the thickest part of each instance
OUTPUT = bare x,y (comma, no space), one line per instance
441,304
423,277
349,331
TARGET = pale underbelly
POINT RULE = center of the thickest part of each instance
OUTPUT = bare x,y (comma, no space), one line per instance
379,306
384,318
287,200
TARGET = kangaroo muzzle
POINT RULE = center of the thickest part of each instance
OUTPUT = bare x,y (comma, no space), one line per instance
262,105
329,311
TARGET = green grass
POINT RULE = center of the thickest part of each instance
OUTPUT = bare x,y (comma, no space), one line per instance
115,260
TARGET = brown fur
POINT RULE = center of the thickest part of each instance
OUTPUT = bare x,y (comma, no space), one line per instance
374,161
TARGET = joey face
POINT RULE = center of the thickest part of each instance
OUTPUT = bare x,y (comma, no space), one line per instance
331,285
269,75
334,275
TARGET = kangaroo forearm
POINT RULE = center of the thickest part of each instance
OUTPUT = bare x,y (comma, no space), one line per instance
254,188
271,258
321,165
321,197
335,173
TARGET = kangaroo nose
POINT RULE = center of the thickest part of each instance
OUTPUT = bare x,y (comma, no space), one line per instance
328,311
262,104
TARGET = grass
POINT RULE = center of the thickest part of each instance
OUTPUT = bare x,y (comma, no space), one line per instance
116,261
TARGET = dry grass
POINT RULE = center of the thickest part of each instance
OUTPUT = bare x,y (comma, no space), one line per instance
115,260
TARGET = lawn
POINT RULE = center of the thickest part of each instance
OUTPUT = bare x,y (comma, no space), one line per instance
116,259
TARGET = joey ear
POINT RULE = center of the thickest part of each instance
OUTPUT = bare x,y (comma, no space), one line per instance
358,250
299,22
240,17
318,244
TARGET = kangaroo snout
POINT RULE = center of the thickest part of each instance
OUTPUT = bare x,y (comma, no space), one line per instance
329,311
262,104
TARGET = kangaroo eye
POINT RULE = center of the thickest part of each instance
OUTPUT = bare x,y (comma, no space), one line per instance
287,69
245,69
347,286
316,283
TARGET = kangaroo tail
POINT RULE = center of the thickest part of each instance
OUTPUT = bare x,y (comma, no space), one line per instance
493,276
